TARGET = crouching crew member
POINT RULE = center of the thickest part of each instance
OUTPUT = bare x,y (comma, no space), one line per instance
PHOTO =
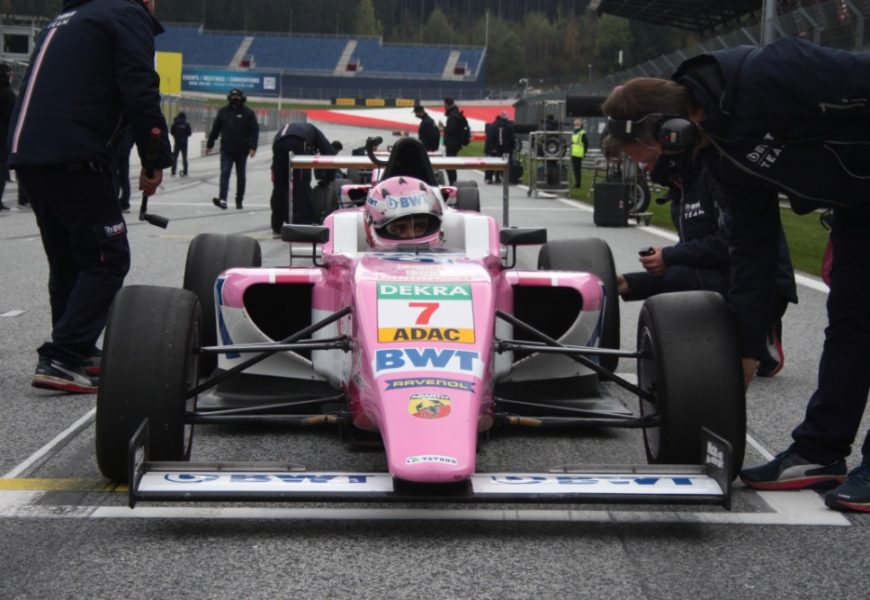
298,138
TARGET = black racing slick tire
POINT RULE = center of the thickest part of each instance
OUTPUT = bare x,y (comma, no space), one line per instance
468,198
639,196
150,361
209,255
694,373
591,255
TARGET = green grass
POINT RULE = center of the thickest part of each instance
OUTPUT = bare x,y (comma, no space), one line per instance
806,236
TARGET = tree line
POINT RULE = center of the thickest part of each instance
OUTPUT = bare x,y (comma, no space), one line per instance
547,42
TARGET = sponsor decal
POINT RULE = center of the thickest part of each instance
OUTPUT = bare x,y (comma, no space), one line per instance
189,478
345,101
426,334
375,102
418,359
439,382
291,478
414,200
429,406
587,480
433,312
409,257
115,230
764,155
431,458
420,291
715,456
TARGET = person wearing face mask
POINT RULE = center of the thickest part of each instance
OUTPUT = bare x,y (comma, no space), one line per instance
699,260
788,118
236,124
92,72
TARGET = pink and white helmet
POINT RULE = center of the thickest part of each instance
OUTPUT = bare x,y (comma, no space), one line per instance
403,210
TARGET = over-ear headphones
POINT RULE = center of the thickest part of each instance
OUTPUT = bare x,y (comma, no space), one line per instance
673,132
237,93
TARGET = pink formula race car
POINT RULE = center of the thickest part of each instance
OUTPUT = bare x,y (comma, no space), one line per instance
411,325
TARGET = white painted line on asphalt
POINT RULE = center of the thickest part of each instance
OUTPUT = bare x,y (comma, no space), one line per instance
764,452
13,313
51,448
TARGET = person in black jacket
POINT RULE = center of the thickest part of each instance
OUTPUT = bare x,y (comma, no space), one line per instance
180,132
298,138
236,124
123,147
7,103
92,69
699,261
790,118
427,132
503,140
453,134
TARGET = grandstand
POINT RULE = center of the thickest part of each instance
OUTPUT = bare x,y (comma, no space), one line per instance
322,66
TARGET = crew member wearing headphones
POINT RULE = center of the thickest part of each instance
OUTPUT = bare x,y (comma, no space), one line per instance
236,124
790,118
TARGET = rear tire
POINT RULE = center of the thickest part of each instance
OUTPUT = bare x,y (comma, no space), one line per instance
591,255
468,198
209,255
150,362
695,374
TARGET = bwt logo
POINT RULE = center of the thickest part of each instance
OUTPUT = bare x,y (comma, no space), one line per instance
267,478
580,480
406,201
426,358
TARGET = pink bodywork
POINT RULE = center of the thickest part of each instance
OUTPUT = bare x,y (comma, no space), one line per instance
422,368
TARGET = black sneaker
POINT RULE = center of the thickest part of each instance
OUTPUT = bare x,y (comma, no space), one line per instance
854,494
54,375
790,471
238,205
775,359
219,202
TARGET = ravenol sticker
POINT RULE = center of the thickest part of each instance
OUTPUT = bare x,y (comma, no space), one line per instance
439,382
432,312
429,406
431,458
400,360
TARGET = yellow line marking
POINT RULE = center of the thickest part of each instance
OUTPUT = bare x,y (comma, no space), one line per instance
25,484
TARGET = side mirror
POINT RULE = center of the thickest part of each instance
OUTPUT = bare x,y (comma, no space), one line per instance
522,236
313,234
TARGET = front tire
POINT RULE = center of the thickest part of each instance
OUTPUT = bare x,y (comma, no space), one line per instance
468,198
209,255
694,373
592,256
150,362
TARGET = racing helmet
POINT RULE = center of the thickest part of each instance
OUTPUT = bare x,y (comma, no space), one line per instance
403,210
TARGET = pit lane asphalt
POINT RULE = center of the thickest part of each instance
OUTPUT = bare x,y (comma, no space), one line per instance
78,541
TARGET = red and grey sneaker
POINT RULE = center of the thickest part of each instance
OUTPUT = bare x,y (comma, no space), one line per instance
54,375
775,359
854,494
790,471
93,363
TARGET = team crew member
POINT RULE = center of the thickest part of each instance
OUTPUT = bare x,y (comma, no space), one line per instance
502,140
298,138
427,133
236,124
454,134
7,102
579,147
789,118
180,132
699,261
93,65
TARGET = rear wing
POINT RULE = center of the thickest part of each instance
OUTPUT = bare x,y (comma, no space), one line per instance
482,163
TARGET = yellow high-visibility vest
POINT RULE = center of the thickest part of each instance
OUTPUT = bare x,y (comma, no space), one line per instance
577,148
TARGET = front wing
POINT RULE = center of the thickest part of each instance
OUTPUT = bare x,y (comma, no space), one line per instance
229,482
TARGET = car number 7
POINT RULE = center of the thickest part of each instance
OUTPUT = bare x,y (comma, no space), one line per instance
428,309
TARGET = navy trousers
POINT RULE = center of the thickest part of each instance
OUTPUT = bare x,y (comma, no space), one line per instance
835,409
85,240
228,160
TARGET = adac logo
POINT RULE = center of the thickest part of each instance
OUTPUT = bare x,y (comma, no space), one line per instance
429,406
